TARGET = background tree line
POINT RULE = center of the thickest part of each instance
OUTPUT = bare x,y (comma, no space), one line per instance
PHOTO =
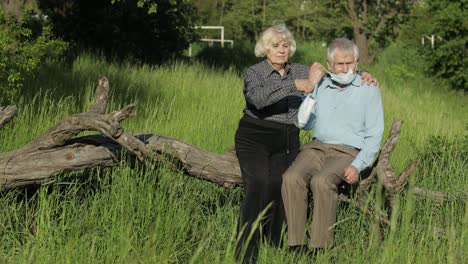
154,31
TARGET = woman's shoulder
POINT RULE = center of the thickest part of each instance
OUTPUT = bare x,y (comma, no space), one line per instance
298,65
259,65
258,68
301,71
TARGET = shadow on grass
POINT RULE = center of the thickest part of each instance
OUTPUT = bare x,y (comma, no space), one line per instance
78,79
238,58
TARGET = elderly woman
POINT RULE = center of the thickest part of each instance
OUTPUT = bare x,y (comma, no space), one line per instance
267,141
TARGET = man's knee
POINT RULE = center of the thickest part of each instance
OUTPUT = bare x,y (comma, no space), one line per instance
321,183
292,178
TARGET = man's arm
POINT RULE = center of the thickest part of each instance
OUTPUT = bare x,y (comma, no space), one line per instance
374,128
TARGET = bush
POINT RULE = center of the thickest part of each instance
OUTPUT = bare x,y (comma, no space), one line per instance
22,51
125,30
449,60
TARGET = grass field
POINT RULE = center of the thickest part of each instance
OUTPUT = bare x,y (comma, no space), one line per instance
141,215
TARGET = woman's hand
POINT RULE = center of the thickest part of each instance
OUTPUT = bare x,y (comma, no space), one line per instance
316,73
367,78
304,86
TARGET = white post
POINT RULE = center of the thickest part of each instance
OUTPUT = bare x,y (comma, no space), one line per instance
422,40
222,37
190,50
432,41
210,41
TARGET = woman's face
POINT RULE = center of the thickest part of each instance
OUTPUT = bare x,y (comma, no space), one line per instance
278,53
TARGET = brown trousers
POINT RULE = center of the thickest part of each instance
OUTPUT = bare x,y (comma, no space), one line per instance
321,167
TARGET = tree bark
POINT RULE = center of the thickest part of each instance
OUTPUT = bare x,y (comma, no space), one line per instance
6,114
360,37
14,8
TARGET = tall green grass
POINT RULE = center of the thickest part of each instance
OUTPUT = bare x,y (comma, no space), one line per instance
157,215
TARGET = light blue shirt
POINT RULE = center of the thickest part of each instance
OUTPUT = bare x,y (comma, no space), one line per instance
352,115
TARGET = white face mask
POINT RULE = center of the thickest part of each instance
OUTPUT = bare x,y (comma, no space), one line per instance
343,78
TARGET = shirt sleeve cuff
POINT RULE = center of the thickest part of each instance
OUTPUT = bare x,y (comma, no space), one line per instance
358,164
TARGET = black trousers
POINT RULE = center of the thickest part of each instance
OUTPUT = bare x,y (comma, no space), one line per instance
265,150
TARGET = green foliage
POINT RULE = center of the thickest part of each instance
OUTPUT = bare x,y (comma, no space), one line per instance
445,157
420,23
246,19
238,58
242,55
150,6
446,21
383,20
441,152
24,46
403,63
399,72
449,59
372,24
378,21
309,52
149,31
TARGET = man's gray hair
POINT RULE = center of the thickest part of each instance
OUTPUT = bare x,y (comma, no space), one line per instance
274,34
342,44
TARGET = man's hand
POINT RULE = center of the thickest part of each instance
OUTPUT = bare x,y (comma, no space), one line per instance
316,73
351,174
367,78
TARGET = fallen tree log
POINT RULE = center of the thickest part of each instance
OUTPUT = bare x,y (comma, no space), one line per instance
6,114
57,151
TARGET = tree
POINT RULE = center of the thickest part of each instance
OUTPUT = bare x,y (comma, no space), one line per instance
449,59
16,8
149,30
375,23
305,19
316,20
25,44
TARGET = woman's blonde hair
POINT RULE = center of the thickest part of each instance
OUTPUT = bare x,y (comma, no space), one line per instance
274,34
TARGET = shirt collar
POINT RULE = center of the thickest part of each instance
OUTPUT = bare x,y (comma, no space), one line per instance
267,69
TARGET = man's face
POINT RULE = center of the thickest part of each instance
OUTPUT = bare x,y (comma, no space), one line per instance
343,61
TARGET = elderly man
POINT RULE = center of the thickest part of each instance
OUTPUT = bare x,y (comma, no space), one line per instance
348,127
